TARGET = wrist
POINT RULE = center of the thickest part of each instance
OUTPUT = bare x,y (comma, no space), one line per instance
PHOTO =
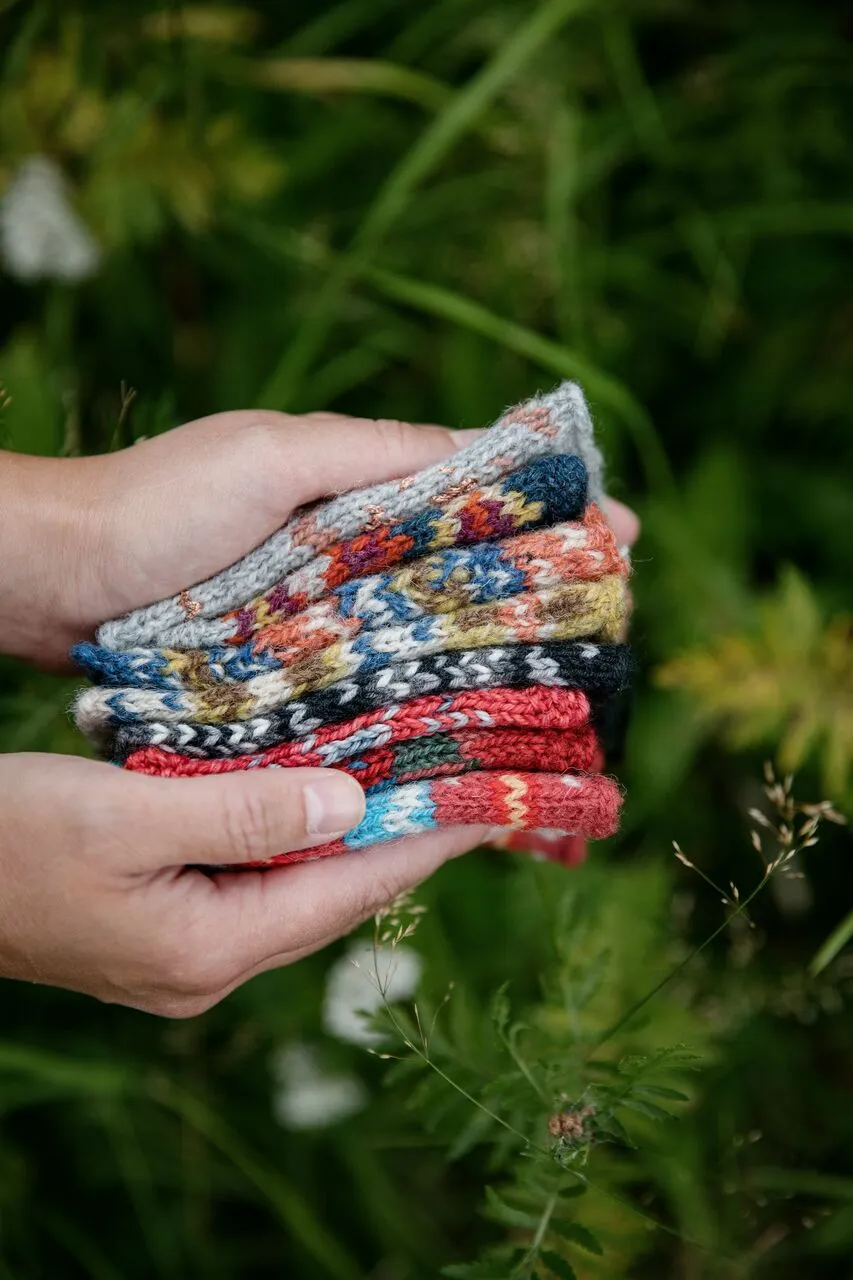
49,543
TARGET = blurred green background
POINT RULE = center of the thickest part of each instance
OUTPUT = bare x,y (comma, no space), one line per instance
430,212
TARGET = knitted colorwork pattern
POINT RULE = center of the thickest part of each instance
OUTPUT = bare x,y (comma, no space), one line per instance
433,756
545,492
221,685
565,711
420,686
442,582
584,806
557,423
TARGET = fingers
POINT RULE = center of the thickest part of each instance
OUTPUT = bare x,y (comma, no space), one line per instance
296,910
216,933
330,453
623,521
237,818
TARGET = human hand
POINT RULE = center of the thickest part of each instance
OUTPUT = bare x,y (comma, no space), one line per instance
98,894
95,892
85,539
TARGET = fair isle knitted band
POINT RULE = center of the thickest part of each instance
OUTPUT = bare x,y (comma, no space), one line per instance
557,423
208,686
437,755
583,806
443,583
456,682
545,492
566,711
578,550
594,609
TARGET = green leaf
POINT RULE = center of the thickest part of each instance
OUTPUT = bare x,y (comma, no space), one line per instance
646,1108
836,941
498,1210
500,1008
661,1091
559,1266
579,1235
32,423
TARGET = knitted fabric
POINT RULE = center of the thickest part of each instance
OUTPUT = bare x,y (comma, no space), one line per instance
558,423
546,491
441,582
583,806
221,685
428,756
561,711
457,681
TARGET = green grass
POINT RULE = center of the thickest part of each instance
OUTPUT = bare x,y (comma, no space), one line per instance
437,211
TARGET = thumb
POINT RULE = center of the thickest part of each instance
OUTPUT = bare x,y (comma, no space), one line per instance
240,818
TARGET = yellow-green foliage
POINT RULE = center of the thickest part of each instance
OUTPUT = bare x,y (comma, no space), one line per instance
787,682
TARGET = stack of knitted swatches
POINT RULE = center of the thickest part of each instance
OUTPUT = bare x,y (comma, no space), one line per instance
451,640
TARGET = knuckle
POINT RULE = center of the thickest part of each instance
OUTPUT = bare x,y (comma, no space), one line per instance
264,436
249,825
393,439
380,889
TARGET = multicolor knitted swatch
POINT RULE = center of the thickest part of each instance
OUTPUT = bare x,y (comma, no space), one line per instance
587,806
225,683
556,711
545,492
450,640
599,671
558,423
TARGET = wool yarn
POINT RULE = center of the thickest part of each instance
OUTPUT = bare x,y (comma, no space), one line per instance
212,687
429,756
558,423
451,683
564,711
585,805
441,582
544,492
451,640
445,582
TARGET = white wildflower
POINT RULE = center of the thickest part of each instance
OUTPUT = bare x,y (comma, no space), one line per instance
360,982
309,1097
41,237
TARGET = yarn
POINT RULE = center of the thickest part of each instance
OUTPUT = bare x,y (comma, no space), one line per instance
545,492
445,582
467,679
583,806
427,756
211,687
441,582
562,710
449,639
558,423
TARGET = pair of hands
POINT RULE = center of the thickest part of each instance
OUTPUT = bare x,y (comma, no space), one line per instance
95,894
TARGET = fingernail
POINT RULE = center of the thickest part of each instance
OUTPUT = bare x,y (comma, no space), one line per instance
463,438
333,803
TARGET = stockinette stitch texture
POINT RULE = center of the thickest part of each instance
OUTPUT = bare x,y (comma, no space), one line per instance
557,423
440,582
444,582
213,687
587,806
428,756
545,492
539,707
455,682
